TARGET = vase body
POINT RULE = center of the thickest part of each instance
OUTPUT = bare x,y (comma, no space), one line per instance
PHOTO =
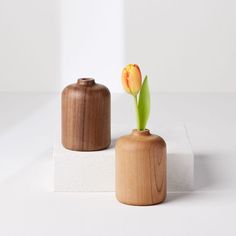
86,116
141,169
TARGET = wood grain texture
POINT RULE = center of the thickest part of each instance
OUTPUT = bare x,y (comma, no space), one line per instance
86,116
141,169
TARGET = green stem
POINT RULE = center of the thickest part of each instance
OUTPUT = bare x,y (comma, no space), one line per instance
137,113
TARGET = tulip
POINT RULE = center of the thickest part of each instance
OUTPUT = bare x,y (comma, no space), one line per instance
132,83
131,79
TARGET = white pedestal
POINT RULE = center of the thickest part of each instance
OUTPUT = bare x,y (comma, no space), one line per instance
95,171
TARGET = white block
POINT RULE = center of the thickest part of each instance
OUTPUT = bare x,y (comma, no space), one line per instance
95,171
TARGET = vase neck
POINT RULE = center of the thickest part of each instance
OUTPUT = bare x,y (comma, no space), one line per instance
86,81
145,132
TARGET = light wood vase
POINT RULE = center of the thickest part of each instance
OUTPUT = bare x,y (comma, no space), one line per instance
86,116
141,169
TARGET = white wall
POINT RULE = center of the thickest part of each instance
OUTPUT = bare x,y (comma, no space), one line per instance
29,45
92,41
184,45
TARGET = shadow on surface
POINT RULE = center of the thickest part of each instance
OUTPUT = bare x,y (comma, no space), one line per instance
177,196
204,176
19,106
34,174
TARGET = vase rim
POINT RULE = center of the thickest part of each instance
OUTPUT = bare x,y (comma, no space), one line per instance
145,132
86,81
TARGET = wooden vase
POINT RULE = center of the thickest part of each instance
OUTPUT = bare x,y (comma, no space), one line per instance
86,116
141,169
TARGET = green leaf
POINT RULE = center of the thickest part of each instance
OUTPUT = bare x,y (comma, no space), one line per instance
144,104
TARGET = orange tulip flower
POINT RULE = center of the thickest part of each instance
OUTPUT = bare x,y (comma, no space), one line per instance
131,79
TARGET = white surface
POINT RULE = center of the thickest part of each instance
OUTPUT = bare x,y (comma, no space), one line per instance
95,171
29,207
182,45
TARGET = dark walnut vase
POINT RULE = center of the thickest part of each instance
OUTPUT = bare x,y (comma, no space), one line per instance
86,116
141,169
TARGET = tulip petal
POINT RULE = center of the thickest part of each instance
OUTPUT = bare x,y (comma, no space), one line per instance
131,79
125,81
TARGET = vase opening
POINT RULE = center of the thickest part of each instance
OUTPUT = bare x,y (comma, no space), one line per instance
145,132
86,81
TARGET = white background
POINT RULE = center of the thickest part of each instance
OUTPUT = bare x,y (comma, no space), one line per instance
184,46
